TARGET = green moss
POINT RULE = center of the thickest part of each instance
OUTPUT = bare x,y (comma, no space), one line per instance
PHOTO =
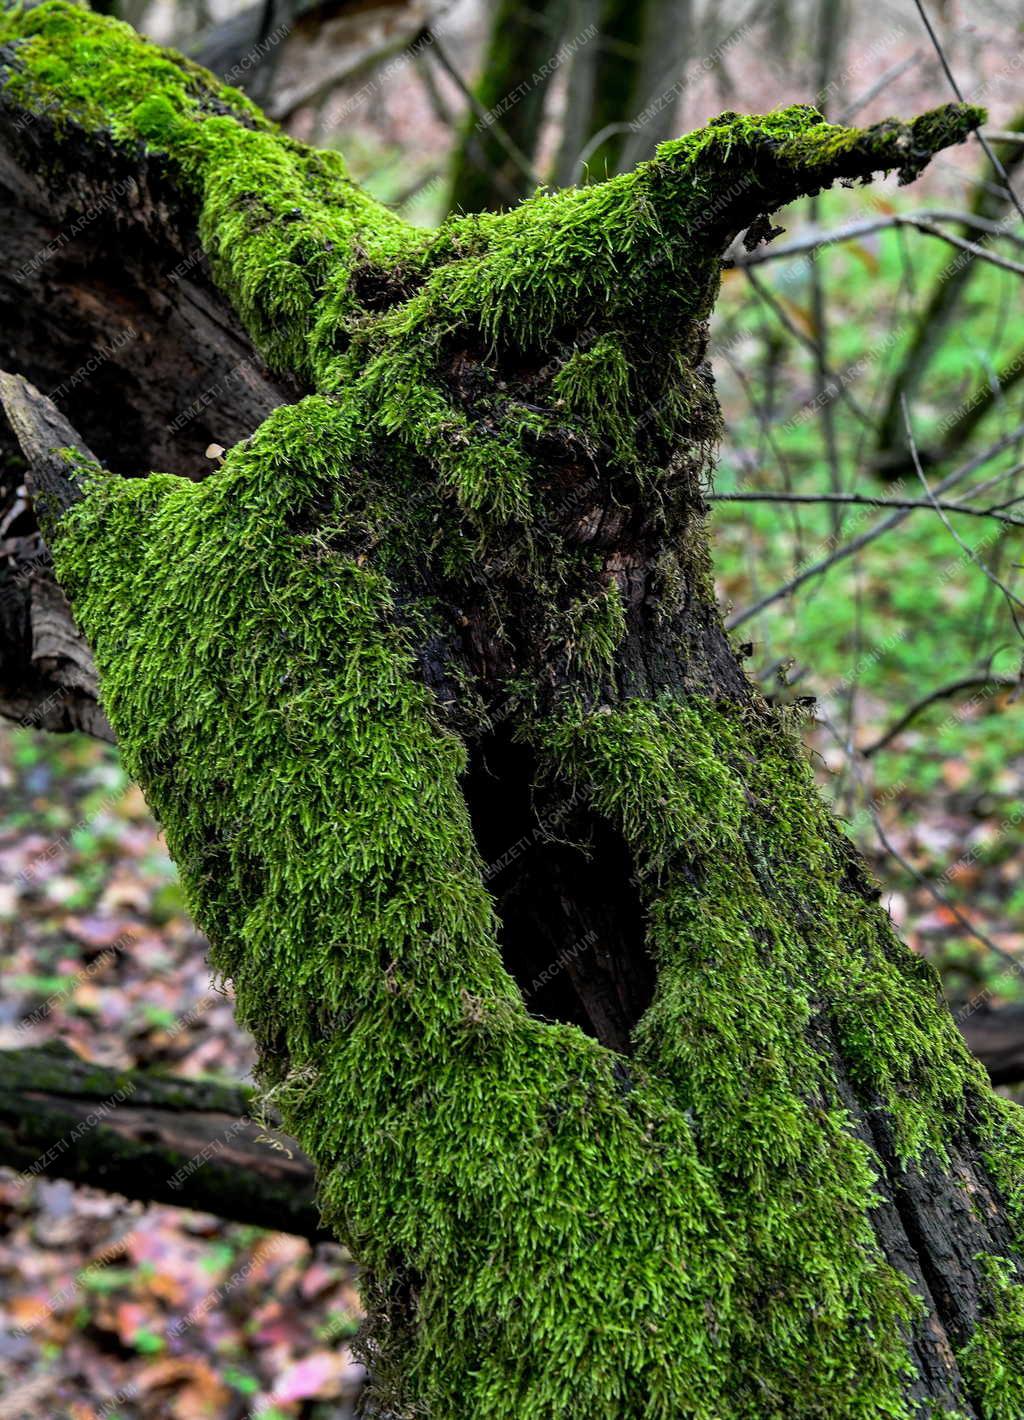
545,1229
594,384
777,906
772,964
992,1362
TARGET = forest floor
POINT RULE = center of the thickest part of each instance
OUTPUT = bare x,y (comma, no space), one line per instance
99,953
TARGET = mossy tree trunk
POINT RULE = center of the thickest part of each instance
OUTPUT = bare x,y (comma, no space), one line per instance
615,1076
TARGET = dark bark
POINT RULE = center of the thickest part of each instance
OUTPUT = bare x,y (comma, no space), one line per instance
106,302
157,1139
493,162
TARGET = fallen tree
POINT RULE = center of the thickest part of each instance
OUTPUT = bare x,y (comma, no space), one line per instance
614,1074
196,1143
191,1143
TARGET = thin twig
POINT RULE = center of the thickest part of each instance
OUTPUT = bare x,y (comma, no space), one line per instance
990,153
848,549
864,499
991,257
808,342
1011,597
988,483
939,896
433,46
929,887
877,87
920,221
944,692
1004,135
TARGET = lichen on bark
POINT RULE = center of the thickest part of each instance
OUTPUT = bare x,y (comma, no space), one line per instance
484,520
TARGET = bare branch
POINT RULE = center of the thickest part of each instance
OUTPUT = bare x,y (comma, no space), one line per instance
855,544
944,692
1012,599
863,499
989,151
925,221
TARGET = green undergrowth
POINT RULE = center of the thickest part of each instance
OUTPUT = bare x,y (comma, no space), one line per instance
911,612
897,636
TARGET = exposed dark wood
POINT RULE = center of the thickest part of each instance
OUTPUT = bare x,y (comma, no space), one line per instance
47,676
190,1143
42,432
995,1035
108,307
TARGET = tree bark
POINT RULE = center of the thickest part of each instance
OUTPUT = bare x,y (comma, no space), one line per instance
991,201
189,1143
107,303
493,162
615,1077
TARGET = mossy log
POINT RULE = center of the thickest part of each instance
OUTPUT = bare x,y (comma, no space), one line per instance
191,1143
615,1076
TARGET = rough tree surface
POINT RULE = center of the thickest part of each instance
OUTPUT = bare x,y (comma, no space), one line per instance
668,1123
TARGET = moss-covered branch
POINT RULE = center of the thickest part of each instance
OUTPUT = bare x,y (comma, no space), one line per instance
463,589
193,1144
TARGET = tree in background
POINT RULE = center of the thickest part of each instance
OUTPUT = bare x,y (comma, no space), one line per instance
621,60
493,164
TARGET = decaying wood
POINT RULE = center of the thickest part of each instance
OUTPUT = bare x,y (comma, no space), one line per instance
107,306
190,1143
